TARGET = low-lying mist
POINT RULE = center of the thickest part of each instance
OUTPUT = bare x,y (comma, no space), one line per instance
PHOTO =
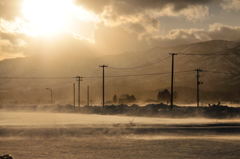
47,124
39,119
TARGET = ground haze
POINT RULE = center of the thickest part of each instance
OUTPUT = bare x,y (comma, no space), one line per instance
43,135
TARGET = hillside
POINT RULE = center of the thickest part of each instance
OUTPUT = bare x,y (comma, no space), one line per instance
84,62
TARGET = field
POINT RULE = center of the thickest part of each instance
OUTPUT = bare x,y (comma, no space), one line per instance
39,135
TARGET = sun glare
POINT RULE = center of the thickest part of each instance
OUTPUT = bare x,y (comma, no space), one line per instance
50,17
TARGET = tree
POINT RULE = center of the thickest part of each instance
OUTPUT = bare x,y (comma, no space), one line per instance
164,96
132,98
126,98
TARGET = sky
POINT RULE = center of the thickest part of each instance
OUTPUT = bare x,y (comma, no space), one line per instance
112,26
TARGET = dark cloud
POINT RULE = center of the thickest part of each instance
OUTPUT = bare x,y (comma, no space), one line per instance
133,6
142,16
11,8
135,23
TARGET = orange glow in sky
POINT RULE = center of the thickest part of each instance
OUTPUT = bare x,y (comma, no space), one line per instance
50,17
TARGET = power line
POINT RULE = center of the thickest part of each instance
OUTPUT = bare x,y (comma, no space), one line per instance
162,59
205,54
136,75
36,78
92,77
217,72
143,74
112,76
140,66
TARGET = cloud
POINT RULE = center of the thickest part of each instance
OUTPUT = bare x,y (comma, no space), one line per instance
184,36
231,5
120,11
135,6
143,17
10,42
136,16
9,9
116,8
11,46
135,23
15,45
224,32
194,12
129,41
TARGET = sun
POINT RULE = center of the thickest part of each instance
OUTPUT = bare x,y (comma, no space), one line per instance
50,17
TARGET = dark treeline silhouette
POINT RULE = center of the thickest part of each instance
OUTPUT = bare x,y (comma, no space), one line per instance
163,110
151,110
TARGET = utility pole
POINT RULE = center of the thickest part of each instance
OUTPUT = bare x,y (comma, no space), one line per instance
172,78
103,84
79,79
88,96
198,71
74,95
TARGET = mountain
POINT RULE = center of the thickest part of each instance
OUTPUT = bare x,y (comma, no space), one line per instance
221,77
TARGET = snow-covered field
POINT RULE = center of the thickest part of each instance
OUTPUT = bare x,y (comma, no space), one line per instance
40,135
